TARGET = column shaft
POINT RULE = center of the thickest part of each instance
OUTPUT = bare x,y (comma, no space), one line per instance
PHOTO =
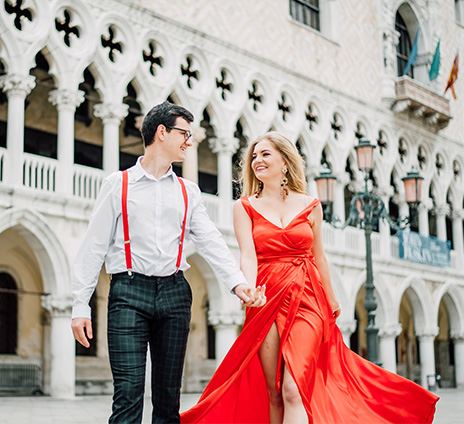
387,352
427,356
459,360
225,338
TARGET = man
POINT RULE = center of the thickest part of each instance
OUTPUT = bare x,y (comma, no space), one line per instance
150,300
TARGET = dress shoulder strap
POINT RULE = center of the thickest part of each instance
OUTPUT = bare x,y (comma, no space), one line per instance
247,206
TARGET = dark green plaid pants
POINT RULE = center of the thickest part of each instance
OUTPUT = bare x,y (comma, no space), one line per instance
147,311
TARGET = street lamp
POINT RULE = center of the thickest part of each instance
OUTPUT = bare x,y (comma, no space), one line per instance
366,209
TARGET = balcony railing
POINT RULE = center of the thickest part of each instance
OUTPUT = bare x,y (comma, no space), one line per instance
86,182
421,102
39,172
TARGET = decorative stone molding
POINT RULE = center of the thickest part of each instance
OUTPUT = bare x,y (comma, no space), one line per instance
65,98
391,330
457,336
430,333
108,112
198,135
17,85
218,318
458,214
442,210
224,145
347,327
57,306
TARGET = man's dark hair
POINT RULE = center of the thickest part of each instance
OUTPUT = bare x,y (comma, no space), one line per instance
165,114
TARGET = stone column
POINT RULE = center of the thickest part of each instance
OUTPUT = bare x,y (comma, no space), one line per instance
387,346
427,355
16,87
347,328
226,328
312,172
339,195
458,236
225,147
66,101
111,114
403,209
62,349
190,164
458,339
423,211
441,212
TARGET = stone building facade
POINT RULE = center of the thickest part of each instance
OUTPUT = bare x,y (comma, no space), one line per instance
77,77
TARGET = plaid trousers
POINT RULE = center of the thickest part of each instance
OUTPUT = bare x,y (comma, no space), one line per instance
144,311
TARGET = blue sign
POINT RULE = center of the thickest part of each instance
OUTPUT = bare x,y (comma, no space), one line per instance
424,250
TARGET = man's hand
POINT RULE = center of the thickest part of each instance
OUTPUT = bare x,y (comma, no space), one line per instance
251,297
82,330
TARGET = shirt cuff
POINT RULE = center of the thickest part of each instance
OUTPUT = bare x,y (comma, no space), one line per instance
81,311
235,280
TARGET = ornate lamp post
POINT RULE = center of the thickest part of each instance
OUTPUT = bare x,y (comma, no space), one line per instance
366,209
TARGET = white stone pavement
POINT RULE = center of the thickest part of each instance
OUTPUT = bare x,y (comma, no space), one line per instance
95,409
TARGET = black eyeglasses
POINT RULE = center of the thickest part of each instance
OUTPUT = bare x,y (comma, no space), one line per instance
186,133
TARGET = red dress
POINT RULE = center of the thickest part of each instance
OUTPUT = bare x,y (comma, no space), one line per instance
336,385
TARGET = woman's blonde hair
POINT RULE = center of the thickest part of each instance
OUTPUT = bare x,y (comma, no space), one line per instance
293,161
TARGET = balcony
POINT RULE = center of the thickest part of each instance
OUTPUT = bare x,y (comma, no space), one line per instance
420,102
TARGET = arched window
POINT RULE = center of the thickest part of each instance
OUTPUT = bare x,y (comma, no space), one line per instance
8,314
404,46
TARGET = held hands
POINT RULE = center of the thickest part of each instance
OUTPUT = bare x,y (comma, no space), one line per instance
250,296
336,308
82,330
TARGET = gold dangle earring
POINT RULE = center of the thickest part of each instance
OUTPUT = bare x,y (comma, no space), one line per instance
259,189
284,183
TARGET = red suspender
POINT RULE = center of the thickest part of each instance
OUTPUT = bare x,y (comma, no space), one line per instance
184,223
125,223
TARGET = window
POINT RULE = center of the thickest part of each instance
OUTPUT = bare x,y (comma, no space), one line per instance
8,314
404,46
307,12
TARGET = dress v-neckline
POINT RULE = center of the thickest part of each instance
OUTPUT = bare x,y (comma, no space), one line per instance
278,226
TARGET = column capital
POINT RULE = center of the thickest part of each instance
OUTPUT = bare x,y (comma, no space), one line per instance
224,144
430,333
198,135
347,327
111,111
16,84
391,330
457,336
66,98
458,214
57,306
442,209
218,318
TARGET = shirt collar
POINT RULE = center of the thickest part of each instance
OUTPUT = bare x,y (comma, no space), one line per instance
137,172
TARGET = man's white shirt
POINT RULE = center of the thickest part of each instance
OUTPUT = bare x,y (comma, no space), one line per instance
155,212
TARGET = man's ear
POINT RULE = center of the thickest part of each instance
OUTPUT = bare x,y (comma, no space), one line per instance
160,132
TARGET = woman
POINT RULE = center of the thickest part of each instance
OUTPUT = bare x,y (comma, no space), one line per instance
290,363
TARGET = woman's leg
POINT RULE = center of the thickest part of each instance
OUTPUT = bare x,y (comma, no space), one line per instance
268,353
294,411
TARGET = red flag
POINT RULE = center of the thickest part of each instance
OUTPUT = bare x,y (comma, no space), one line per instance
453,76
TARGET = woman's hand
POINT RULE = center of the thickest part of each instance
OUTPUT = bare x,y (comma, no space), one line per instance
336,308
259,297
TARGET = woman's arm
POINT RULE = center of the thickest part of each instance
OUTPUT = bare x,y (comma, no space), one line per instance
243,232
248,262
315,219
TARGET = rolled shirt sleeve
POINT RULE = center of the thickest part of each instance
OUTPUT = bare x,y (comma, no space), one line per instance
94,247
210,243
